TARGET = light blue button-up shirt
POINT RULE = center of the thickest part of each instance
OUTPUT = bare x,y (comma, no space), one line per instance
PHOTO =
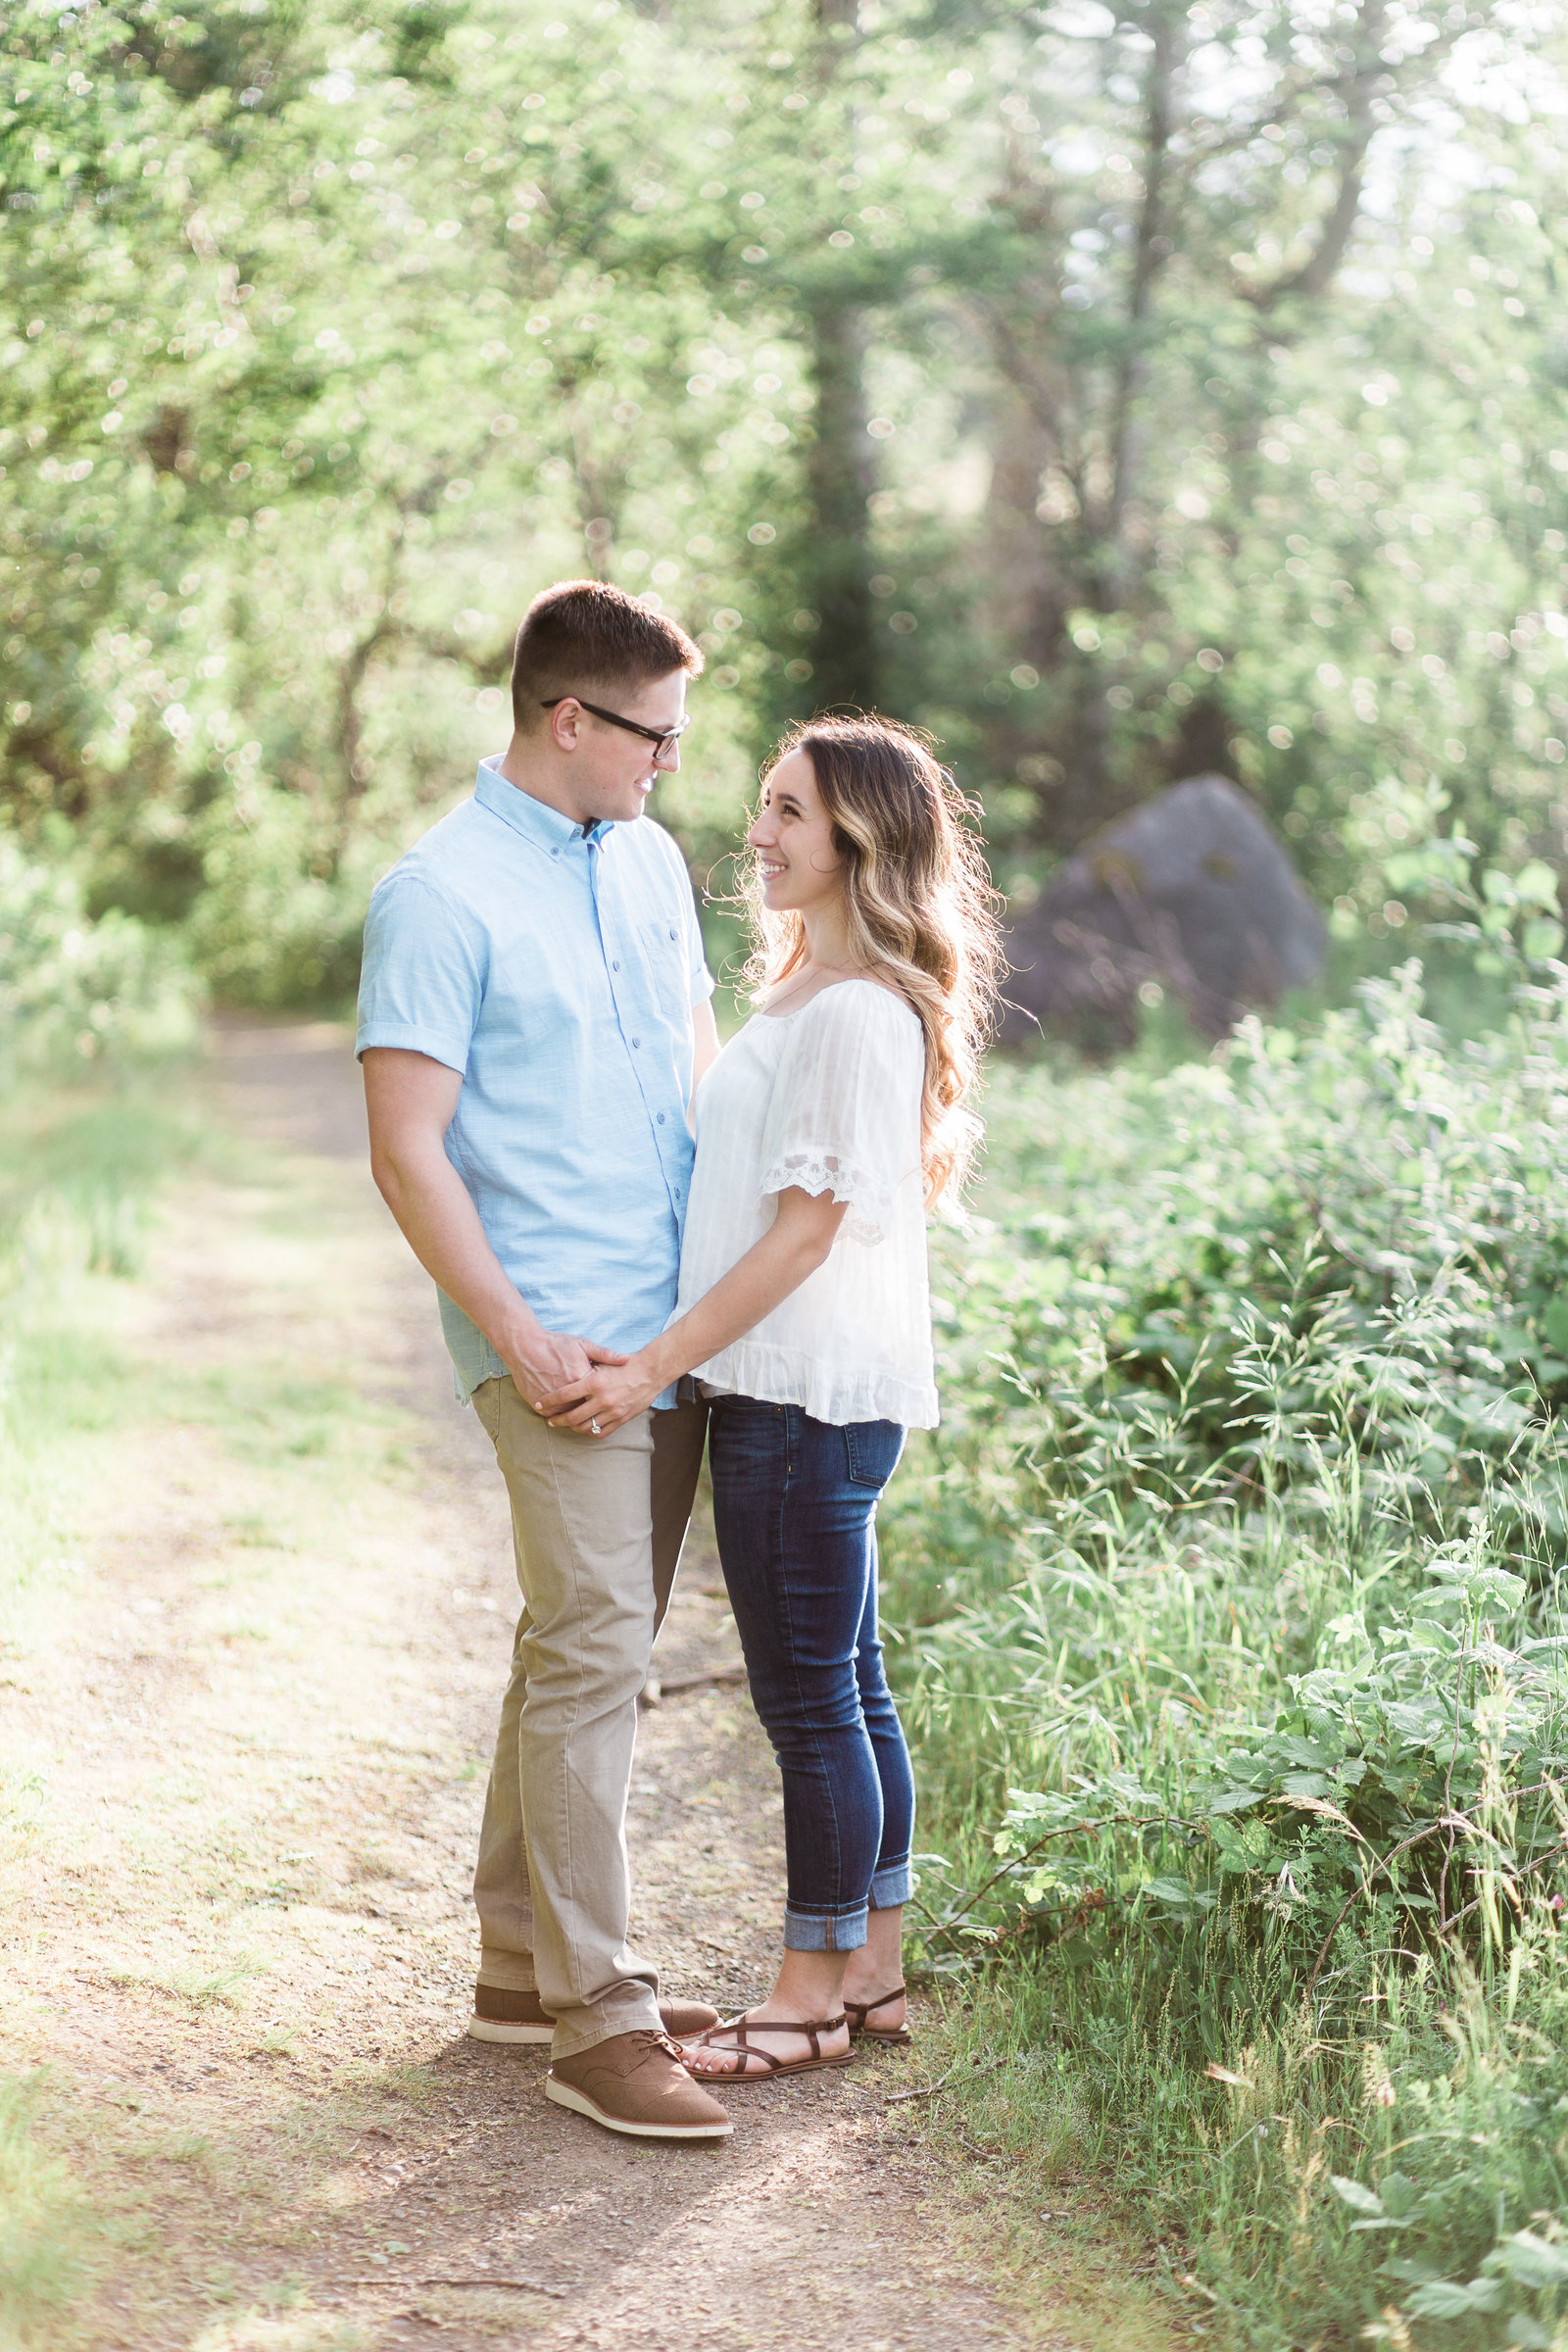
558,972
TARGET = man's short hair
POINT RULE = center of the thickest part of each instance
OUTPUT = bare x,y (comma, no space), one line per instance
583,636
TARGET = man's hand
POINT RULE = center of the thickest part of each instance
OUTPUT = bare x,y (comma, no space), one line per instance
616,1391
550,1366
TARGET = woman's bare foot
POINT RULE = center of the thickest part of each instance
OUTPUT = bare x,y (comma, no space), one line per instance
887,2010
806,1991
720,2057
877,1969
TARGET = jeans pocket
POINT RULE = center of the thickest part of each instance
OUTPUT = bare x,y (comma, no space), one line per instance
872,1449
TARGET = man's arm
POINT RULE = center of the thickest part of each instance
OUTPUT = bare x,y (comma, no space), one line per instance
411,1100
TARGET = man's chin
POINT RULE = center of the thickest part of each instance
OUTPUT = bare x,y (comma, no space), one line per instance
621,811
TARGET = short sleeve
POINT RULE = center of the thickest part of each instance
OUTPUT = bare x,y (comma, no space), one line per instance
422,982
845,1113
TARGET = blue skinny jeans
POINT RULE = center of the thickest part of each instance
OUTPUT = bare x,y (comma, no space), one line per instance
795,1510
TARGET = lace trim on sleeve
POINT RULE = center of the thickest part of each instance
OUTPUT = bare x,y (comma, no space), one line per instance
869,1201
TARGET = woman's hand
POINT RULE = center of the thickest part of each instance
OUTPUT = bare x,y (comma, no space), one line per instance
612,1394
800,1239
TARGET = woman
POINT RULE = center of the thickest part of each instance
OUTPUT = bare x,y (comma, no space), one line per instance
824,1129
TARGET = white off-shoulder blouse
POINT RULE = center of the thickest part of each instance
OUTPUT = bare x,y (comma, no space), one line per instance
828,1098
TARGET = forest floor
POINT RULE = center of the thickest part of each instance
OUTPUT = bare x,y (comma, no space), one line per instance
245,1732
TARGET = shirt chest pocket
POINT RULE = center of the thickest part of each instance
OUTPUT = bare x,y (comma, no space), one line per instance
663,953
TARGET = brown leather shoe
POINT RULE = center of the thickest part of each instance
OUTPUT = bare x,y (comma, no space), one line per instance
503,2016
635,2083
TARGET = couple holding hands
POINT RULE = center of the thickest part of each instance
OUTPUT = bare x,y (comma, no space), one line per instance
538,1047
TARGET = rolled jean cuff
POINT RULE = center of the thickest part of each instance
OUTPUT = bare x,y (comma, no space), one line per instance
824,1931
893,1884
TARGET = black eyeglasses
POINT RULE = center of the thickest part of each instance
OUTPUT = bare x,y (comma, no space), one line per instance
612,719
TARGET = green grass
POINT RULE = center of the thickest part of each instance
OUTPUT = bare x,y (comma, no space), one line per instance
204,1988
1227,1621
79,1172
49,2241
90,1157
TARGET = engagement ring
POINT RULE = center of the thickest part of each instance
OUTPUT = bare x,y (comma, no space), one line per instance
593,1426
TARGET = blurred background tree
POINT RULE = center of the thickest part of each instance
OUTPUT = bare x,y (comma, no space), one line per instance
1117,394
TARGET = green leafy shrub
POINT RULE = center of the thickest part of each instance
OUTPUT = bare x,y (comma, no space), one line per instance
275,924
76,990
1230,1603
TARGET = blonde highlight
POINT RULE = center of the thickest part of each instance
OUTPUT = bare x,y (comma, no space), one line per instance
920,910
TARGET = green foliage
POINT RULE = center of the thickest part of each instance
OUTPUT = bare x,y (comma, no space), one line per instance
1230,1595
72,988
1050,382
1339,1248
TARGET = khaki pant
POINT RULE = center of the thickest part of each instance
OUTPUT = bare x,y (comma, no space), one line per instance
598,1525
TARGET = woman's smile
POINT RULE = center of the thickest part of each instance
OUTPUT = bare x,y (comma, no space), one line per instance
811,876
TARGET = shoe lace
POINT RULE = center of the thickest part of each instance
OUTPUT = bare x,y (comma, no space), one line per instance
653,2039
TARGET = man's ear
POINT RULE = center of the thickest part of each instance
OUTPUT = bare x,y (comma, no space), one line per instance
565,727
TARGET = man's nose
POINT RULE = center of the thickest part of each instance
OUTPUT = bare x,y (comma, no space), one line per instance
667,757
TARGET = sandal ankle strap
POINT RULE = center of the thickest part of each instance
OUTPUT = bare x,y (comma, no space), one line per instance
864,2009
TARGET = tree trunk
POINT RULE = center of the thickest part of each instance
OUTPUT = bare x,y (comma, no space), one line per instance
840,472
1086,802
840,478
1027,593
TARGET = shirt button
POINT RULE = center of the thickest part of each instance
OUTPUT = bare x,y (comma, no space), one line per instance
673,935
615,967
660,1119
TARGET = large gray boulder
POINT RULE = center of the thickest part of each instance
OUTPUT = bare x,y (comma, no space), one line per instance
1192,890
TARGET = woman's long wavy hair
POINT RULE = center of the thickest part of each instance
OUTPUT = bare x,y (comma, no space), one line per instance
921,909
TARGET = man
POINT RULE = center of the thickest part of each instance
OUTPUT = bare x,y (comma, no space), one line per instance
533,1018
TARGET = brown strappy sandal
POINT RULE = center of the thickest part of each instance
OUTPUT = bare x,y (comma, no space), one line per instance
742,2029
896,2038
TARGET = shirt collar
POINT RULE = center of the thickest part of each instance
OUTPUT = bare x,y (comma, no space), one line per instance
546,827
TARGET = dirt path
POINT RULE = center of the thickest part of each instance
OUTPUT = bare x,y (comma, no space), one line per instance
254,1730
